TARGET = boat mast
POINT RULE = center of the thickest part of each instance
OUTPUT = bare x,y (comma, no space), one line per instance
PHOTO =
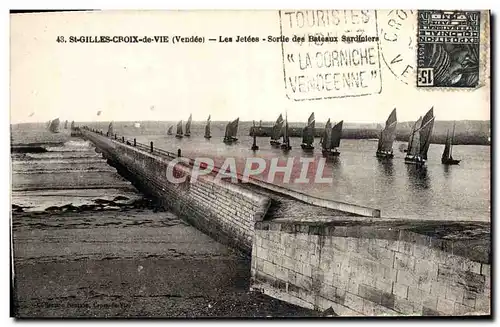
254,137
452,139
286,139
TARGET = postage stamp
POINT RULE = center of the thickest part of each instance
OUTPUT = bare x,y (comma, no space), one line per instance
448,53
330,53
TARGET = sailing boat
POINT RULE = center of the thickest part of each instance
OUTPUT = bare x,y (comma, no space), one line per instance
286,137
255,147
308,134
276,132
188,126
54,126
447,158
419,142
179,130
66,125
72,124
169,131
331,141
387,136
207,129
231,130
326,138
110,130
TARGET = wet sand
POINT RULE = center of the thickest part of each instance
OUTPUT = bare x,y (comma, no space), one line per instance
133,263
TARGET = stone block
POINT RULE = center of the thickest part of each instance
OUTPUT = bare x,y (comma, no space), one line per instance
304,282
383,285
483,304
370,293
406,277
352,286
405,306
445,306
353,302
454,293
415,295
438,288
400,290
339,243
430,301
461,309
307,269
327,291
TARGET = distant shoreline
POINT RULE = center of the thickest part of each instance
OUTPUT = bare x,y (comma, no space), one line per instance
467,132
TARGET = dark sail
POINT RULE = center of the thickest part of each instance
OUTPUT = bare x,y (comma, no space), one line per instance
336,135
188,126
66,124
231,130
54,126
207,129
254,144
414,141
326,138
179,129
388,133
277,128
110,129
447,147
426,132
286,137
447,157
308,131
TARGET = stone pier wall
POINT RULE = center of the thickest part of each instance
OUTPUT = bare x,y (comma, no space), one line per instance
223,210
377,267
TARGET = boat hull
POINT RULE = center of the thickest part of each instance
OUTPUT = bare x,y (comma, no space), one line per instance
187,135
275,144
450,161
384,155
414,161
285,147
255,147
230,140
330,153
179,136
208,137
307,147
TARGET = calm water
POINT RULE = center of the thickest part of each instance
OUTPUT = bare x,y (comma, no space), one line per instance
399,190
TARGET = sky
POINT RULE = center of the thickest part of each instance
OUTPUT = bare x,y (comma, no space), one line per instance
166,81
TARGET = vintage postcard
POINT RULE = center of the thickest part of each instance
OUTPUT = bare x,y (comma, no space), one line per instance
286,163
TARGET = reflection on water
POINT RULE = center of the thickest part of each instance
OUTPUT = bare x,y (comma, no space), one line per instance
446,169
418,176
335,162
386,166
